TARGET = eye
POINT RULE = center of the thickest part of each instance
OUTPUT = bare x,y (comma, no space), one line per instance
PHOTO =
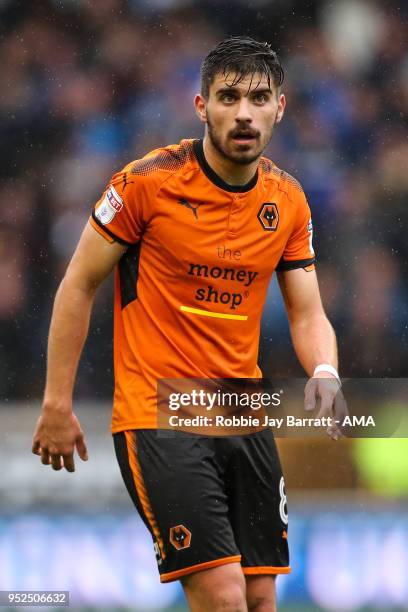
261,98
227,97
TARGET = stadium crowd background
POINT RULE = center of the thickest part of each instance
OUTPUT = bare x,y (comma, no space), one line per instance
87,86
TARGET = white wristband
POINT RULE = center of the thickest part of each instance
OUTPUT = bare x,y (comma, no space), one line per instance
326,367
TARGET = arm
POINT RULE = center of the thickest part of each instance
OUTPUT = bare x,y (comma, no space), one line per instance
312,335
58,431
314,341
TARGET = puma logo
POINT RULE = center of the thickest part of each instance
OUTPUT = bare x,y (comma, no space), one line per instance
126,182
188,204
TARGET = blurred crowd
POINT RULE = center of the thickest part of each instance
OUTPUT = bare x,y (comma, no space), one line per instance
86,86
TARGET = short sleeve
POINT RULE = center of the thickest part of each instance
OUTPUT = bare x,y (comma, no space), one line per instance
118,215
299,252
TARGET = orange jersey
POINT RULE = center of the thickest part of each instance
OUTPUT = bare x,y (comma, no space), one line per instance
190,289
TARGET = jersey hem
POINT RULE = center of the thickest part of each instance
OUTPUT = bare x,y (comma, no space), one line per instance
132,425
148,425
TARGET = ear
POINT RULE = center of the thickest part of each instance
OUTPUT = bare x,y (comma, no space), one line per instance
200,107
281,108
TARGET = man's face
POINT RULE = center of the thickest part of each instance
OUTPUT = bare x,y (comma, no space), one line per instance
240,119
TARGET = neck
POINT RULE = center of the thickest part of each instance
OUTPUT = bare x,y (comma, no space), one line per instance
231,173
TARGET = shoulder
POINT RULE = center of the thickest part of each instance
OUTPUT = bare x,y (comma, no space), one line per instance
144,177
164,161
284,181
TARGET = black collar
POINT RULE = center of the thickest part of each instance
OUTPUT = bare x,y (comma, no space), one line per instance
213,176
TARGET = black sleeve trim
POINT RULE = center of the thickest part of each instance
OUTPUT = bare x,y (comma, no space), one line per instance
283,265
111,234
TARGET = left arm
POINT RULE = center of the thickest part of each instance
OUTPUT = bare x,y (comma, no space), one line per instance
313,337
315,343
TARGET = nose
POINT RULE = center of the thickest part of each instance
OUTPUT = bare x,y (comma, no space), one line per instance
243,111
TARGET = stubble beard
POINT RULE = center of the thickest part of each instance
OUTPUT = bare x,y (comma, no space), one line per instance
237,158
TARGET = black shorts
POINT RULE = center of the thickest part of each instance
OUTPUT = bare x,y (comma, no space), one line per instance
208,501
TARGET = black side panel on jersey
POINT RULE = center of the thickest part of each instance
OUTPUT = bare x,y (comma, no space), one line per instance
128,274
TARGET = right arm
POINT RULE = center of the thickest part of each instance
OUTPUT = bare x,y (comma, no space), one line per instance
58,431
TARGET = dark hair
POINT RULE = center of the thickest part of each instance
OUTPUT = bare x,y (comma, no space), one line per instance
241,55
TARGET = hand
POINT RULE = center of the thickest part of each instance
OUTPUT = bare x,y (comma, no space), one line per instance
56,435
326,388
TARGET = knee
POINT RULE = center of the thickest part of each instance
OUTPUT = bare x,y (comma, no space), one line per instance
220,589
227,595
260,594
229,598
261,604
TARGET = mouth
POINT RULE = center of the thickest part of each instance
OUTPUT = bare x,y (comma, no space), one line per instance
244,138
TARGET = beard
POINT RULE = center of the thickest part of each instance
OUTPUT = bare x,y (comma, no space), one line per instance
243,157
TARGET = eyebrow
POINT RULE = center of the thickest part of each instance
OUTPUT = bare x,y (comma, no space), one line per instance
236,90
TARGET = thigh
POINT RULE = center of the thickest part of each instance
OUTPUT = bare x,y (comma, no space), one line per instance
258,507
175,485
